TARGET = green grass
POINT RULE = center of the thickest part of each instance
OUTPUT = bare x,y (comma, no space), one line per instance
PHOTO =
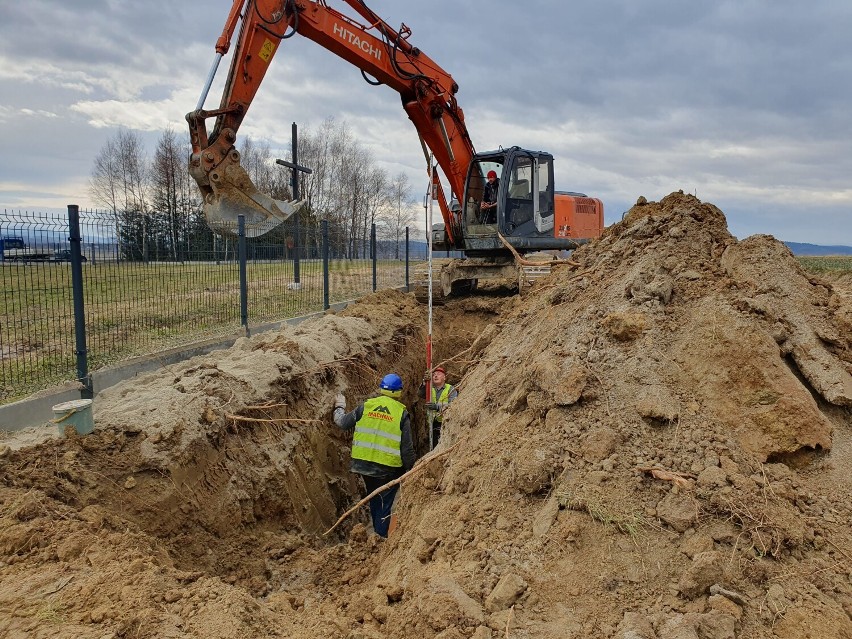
834,265
136,309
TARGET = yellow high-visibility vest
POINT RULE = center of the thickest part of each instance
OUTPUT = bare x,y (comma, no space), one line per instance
378,434
442,399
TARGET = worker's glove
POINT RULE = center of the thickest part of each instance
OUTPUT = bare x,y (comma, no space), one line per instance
340,401
431,406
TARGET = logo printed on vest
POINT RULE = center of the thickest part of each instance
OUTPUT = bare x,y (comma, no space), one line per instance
381,412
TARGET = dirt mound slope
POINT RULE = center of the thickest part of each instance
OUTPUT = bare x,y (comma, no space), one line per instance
656,444
646,451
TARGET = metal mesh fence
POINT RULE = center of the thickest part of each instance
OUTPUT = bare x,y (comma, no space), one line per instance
37,319
149,285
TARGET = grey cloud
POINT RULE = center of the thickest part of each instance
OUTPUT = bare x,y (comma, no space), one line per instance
737,99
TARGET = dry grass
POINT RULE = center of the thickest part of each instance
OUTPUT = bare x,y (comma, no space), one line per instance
51,611
626,523
759,533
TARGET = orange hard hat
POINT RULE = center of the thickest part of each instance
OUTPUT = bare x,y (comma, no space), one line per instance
492,174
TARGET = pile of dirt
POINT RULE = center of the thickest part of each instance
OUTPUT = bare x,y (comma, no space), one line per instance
656,444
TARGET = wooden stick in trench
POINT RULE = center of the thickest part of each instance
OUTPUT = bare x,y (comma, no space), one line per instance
524,262
258,420
417,468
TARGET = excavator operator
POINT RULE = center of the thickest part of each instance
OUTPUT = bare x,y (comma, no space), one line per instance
488,208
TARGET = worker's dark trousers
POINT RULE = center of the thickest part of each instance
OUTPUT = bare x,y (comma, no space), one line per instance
380,505
436,433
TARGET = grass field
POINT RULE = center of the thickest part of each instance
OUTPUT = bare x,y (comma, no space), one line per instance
833,265
135,309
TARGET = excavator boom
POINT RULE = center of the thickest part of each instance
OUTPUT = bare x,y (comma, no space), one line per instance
504,202
379,51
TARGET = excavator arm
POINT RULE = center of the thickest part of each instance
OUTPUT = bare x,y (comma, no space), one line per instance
380,52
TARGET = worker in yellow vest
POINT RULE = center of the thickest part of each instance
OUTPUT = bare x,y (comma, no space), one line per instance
442,394
382,446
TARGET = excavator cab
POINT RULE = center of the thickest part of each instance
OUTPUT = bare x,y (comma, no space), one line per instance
525,201
528,210
531,214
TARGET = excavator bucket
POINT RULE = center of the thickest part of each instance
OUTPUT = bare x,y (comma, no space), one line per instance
232,193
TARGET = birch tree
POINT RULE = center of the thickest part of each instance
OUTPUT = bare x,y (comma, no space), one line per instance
398,211
119,181
169,182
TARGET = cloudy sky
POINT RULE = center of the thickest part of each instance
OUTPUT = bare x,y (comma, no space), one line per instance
745,103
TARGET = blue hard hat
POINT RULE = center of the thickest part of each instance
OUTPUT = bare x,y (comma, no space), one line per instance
391,382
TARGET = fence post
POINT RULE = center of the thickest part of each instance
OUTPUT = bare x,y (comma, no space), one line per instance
407,281
296,230
87,392
297,274
241,235
325,291
373,251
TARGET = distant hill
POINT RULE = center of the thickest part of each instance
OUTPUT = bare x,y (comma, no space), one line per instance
815,249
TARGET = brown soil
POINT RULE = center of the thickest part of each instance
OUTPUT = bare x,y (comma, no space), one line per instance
654,445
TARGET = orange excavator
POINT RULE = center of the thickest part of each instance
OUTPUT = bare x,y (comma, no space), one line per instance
530,214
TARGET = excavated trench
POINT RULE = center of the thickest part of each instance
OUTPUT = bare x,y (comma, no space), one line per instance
262,479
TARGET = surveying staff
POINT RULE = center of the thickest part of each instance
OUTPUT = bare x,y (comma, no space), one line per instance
442,395
382,447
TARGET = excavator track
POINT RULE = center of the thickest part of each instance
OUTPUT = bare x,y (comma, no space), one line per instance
458,277
529,275
420,282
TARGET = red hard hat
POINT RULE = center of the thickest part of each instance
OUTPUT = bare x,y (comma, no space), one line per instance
492,174
440,369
